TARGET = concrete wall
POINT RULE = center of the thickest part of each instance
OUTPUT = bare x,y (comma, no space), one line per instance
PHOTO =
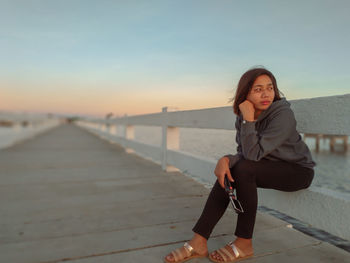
324,209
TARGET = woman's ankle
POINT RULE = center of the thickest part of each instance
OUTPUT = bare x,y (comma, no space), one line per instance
199,242
198,238
245,241
244,244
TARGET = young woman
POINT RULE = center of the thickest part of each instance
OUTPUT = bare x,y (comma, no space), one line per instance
270,154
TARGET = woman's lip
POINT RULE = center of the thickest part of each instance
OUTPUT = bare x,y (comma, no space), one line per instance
265,102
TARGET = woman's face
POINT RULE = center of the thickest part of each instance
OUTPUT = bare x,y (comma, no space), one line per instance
261,94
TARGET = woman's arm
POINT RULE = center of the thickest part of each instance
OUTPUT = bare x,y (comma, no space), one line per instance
238,135
234,158
255,146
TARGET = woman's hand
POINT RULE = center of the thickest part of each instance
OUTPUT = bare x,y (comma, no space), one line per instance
248,110
222,168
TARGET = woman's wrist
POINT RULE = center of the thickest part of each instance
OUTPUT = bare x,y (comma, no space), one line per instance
250,119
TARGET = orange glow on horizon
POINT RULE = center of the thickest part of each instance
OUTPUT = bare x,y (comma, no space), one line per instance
119,103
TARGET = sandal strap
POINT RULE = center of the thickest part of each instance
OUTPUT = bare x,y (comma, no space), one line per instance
236,250
174,255
222,254
189,249
180,255
227,253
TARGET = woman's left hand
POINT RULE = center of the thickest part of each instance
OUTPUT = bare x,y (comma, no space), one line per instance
222,168
248,110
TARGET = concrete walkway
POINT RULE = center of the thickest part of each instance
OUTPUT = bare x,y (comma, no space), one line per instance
68,196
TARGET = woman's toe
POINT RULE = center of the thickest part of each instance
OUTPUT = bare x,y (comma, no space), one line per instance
216,255
169,257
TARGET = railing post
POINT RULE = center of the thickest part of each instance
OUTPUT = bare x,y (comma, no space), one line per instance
164,137
115,130
129,134
108,127
170,138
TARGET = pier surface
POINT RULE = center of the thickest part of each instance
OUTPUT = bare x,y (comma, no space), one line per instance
68,196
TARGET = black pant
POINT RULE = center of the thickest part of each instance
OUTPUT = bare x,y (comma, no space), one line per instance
248,175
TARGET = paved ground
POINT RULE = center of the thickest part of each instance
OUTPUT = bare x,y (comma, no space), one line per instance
68,196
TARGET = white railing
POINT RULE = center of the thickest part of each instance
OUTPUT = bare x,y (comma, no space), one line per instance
325,209
16,127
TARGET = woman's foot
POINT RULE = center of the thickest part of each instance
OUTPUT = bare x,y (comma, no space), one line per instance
199,245
243,245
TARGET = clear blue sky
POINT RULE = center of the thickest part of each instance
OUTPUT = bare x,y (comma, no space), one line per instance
135,57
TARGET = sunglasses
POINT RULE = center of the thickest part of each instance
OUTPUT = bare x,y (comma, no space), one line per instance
234,201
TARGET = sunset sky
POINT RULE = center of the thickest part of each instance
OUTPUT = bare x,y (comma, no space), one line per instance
135,57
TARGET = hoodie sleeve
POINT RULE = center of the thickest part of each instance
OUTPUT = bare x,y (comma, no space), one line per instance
234,158
279,128
238,137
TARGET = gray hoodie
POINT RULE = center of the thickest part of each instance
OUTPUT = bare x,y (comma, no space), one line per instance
273,136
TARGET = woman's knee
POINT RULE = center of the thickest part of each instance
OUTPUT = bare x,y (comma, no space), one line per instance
243,170
300,181
308,180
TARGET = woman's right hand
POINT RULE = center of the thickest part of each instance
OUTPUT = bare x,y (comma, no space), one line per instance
222,168
247,109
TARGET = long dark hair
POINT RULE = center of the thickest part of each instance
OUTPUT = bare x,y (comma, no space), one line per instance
245,85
